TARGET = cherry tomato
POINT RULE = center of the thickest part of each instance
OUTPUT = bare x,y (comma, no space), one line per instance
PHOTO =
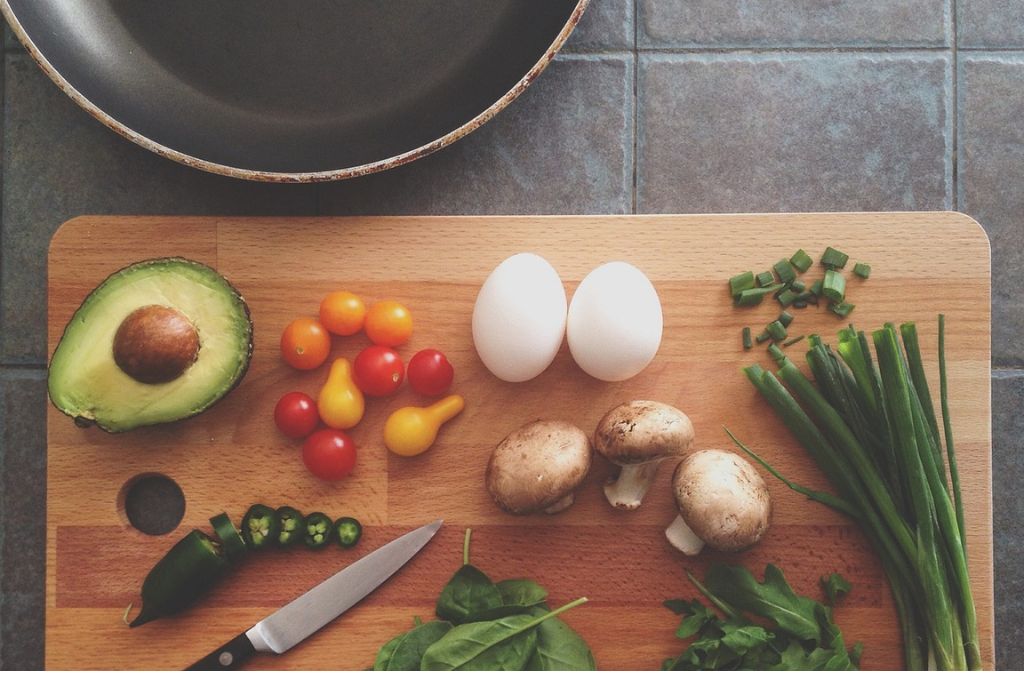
296,415
329,454
430,373
378,371
305,344
388,323
342,313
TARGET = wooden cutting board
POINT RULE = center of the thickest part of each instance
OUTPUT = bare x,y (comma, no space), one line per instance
232,456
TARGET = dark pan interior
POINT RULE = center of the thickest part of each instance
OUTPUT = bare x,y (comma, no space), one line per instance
292,85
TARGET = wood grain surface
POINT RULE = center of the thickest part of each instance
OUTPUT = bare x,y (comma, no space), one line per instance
232,456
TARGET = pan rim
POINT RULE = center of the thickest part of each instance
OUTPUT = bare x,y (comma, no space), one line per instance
292,176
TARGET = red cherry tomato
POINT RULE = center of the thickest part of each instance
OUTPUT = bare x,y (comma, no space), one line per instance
296,415
329,454
430,373
378,371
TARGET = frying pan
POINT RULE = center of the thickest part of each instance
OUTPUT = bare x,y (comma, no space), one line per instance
293,90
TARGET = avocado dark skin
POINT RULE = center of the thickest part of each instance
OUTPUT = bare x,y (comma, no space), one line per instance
155,344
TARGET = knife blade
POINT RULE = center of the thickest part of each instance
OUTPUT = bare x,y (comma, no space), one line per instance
317,607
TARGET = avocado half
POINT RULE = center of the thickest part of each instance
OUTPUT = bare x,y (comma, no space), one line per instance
157,341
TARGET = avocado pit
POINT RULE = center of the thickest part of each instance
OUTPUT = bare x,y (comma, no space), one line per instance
155,344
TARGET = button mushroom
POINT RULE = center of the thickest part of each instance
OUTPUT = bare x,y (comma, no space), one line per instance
722,500
538,467
637,436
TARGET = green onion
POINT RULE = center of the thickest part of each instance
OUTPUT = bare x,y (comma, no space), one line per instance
797,286
763,337
833,259
786,318
842,309
800,303
775,352
794,340
764,279
777,330
862,270
816,288
801,261
834,286
785,271
752,297
870,425
748,342
743,281
787,298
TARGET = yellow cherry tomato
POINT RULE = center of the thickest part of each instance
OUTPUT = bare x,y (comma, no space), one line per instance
410,431
341,404
342,313
388,323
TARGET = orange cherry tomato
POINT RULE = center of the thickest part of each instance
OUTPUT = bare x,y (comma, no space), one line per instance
342,313
388,323
305,344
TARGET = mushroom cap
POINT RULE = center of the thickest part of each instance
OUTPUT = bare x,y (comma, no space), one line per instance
537,465
637,432
722,498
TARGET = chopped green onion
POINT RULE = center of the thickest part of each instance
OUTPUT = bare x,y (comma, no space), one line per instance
785,271
833,259
801,261
835,286
842,309
798,286
741,282
777,330
748,342
787,298
763,337
862,270
816,287
764,279
794,340
776,352
800,303
752,297
786,318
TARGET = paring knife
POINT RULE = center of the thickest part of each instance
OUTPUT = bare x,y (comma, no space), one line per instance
314,609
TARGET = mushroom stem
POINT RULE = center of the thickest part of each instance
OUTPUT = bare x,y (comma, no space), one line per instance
682,538
560,504
627,490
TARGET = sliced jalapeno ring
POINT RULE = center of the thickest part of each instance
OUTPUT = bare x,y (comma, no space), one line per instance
259,527
347,531
318,530
289,526
230,540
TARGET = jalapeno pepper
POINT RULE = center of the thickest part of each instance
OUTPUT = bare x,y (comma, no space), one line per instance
347,531
187,571
230,540
318,530
259,527
289,526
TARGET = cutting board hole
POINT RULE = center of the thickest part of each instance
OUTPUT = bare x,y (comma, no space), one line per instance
152,503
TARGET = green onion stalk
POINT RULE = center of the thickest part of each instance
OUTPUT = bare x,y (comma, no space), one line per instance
870,425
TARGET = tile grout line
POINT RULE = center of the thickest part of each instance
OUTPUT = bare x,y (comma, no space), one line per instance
636,107
955,107
796,49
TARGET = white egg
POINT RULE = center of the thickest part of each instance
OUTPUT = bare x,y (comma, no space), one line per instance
615,322
519,318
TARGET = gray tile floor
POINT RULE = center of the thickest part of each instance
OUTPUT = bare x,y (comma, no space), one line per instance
655,106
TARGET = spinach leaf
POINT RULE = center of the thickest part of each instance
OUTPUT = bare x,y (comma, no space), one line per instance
835,587
773,599
467,596
521,593
505,644
405,652
559,647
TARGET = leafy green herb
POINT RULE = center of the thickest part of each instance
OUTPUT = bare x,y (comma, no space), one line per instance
559,648
505,644
405,651
796,633
835,587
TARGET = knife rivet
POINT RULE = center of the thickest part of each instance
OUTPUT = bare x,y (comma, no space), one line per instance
225,659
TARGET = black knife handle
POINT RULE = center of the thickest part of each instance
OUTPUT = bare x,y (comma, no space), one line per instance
229,656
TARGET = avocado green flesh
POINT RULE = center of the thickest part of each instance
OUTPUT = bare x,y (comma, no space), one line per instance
84,380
